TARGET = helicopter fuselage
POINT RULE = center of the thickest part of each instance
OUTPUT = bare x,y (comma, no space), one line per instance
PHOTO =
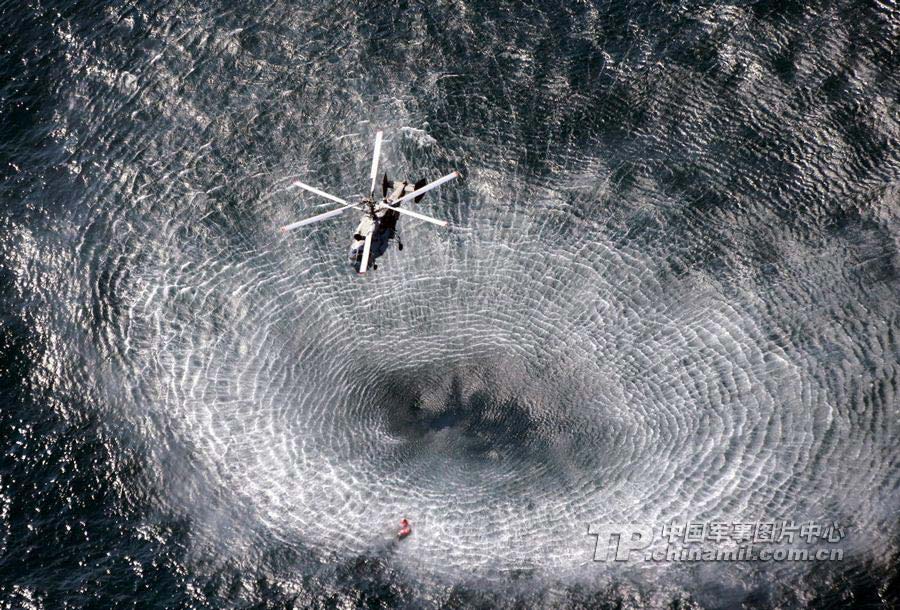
378,225
383,222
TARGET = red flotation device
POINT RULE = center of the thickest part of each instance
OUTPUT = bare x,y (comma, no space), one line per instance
405,529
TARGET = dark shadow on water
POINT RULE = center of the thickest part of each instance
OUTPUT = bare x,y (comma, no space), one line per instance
463,415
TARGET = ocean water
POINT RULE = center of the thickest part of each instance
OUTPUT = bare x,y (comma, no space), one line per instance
669,292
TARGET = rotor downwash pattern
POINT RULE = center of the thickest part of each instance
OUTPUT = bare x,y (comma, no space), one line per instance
668,291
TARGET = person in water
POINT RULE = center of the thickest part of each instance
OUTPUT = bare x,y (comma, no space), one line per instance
405,529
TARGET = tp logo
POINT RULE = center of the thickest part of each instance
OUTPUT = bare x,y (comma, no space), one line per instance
624,538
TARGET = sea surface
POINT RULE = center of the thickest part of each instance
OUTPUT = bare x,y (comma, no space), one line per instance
668,293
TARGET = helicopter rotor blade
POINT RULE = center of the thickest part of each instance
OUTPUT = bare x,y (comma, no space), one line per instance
313,189
440,223
317,218
428,187
364,262
374,173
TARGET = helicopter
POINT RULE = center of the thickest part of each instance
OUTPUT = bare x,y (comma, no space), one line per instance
378,224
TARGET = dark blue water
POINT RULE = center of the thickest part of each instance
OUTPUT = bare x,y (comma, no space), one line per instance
668,292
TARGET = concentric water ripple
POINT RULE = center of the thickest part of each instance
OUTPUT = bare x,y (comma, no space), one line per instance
668,291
